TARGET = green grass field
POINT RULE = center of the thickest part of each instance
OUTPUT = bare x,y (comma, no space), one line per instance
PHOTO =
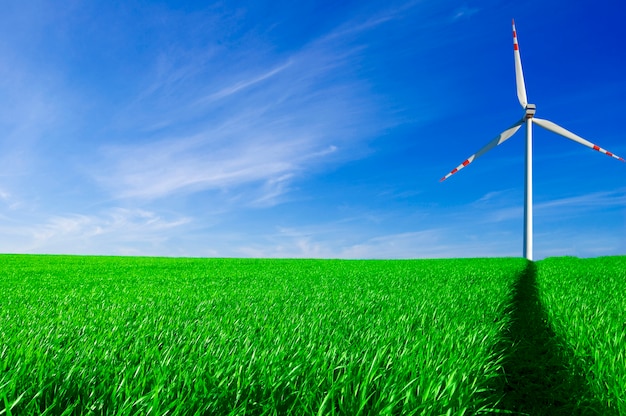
585,303
137,336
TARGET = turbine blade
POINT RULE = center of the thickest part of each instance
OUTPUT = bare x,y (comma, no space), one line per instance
498,140
555,128
519,75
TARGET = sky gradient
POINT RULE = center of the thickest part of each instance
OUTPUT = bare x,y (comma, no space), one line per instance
308,129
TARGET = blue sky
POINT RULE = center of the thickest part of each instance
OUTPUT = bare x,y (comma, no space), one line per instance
307,129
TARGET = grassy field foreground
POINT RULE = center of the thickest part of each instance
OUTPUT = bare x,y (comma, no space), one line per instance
115,335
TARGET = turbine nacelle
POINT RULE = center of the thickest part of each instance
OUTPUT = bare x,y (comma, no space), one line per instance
530,111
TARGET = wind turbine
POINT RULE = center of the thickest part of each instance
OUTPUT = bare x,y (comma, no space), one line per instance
528,119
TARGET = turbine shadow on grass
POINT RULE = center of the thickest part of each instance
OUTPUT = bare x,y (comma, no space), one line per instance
538,377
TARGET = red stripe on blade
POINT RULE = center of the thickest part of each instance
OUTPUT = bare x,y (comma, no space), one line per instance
609,154
454,171
467,162
596,148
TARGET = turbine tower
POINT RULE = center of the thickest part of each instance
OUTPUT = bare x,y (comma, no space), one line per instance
528,119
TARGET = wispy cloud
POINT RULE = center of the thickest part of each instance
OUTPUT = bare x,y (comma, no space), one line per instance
464,12
241,85
590,201
429,242
191,165
276,118
114,231
8,203
28,113
500,206
562,241
501,210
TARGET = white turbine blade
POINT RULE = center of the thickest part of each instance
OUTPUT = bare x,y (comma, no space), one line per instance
519,75
498,140
555,128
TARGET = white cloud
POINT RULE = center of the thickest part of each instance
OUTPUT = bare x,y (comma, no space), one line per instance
464,12
431,243
594,200
191,165
242,85
335,241
115,231
497,206
275,119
